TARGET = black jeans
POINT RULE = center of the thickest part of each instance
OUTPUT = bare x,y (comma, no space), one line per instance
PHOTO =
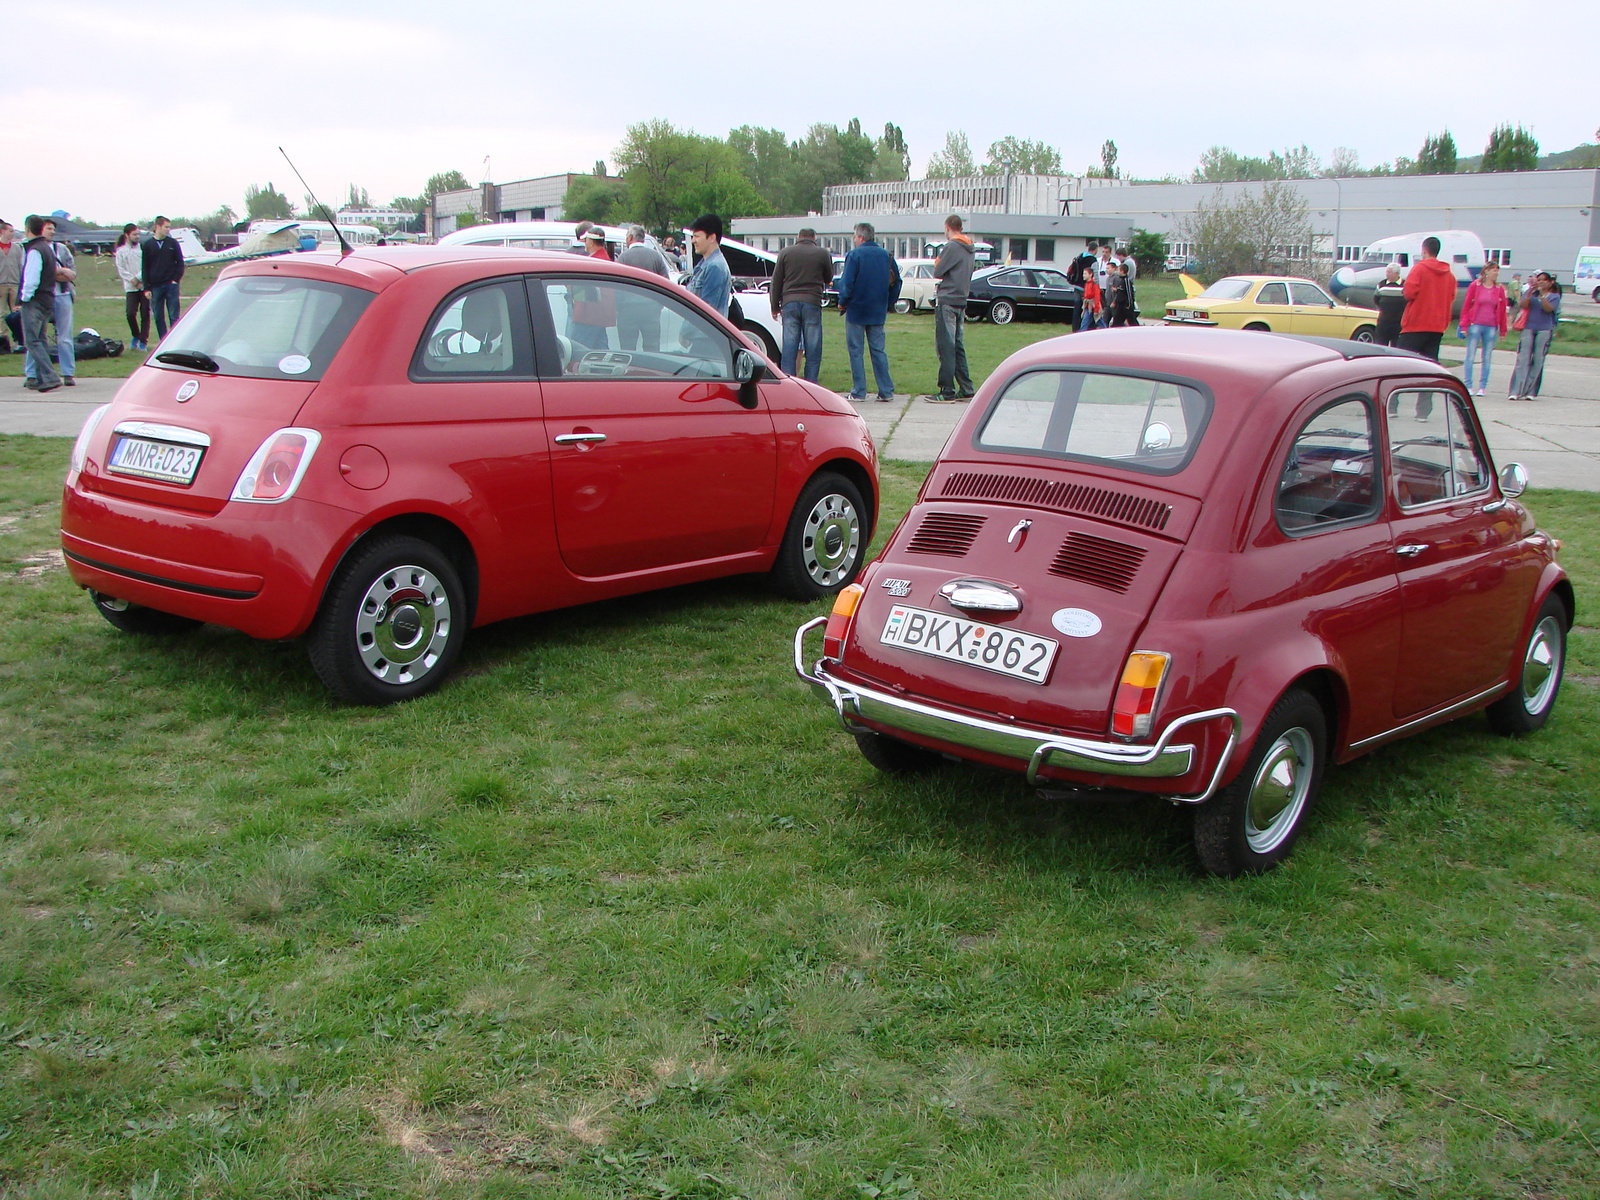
137,305
1425,344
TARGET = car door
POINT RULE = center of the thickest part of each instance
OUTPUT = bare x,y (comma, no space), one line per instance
1058,299
1335,560
654,462
1311,311
1272,307
1015,286
1466,579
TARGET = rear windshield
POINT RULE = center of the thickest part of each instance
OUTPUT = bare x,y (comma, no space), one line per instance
1136,421
265,327
1226,289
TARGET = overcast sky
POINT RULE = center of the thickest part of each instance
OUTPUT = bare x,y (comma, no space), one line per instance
125,116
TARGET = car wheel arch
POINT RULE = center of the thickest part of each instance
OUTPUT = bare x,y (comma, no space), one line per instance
1322,680
857,474
445,535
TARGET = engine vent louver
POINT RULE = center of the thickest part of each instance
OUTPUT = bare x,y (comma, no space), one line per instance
945,533
1122,507
1097,560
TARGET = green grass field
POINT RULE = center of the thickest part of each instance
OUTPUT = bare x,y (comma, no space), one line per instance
619,912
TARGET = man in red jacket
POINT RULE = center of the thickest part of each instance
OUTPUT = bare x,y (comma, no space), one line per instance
1430,295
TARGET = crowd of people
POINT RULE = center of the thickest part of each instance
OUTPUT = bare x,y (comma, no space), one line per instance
38,281
1414,314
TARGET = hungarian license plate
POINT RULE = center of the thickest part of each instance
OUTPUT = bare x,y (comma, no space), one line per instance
976,643
156,460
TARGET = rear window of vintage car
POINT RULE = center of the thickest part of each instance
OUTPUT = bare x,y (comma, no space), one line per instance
267,327
1137,421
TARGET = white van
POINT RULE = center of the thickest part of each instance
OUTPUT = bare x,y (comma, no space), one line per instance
533,235
1586,272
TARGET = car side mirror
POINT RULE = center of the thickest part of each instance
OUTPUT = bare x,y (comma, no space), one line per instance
1513,480
749,371
1157,436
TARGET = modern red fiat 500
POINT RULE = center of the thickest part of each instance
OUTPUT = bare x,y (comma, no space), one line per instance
1200,564
388,448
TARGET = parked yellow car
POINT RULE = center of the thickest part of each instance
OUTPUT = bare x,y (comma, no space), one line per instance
1275,304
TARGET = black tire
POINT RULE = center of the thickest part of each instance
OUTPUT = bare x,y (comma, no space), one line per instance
1527,706
826,540
1365,333
1258,327
135,618
1252,824
894,757
971,317
1002,312
391,624
769,347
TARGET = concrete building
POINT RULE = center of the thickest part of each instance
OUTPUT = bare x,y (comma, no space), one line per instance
1528,220
537,199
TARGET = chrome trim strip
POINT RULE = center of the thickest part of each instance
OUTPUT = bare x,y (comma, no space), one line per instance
163,433
567,439
1442,714
1162,760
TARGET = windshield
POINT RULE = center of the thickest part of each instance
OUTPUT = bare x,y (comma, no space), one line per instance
1124,420
1226,289
265,327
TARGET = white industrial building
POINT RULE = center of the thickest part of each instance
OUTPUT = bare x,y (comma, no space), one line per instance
539,199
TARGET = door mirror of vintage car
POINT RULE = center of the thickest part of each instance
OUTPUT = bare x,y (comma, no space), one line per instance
1513,480
1157,435
748,370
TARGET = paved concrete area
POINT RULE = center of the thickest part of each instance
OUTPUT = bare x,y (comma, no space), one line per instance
1557,437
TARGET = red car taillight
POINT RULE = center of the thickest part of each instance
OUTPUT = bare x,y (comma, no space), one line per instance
844,611
1134,712
277,466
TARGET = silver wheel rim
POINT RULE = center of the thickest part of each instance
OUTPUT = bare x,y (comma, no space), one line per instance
831,539
1541,669
1279,791
1001,314
403,624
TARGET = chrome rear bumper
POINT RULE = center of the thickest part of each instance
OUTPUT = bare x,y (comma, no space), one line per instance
1037,747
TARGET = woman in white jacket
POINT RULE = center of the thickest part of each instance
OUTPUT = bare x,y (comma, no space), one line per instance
136,303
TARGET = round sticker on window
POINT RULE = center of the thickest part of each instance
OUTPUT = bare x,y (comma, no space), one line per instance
294,364
1075,622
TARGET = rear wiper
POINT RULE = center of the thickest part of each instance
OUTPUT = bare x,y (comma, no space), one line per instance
197,359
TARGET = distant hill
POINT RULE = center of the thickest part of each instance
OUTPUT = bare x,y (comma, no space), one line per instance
1585,155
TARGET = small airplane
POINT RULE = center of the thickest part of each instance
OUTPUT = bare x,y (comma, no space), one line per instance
1461,248
273,237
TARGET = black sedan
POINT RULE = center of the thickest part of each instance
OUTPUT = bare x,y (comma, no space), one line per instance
1003,294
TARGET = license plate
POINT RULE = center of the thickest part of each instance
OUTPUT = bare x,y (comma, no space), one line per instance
156,460
976,643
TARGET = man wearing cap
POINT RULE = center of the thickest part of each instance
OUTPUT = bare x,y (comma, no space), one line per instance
594,243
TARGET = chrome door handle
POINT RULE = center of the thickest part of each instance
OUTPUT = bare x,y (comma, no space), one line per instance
1410,551
567,439
1494,506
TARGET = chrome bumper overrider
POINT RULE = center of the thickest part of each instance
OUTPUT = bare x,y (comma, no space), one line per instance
1037,747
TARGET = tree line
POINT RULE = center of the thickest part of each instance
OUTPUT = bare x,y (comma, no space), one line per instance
1508,149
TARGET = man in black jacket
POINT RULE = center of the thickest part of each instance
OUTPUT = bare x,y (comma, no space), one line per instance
1390,297
802,273
162,260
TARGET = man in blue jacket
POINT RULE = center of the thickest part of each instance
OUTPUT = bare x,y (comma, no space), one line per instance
869,286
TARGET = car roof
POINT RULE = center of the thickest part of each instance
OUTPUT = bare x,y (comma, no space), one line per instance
378,266
1271,279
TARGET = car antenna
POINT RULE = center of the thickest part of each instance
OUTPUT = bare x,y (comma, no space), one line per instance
344,246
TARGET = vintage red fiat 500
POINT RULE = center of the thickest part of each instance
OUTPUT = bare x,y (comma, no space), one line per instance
1200,564
388,448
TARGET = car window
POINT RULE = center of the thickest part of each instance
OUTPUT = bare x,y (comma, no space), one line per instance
1226,289
1053,279
607,329
1010,279
267,327
1130,420
1310,293
1432,448
1330,474
480,331
1273,293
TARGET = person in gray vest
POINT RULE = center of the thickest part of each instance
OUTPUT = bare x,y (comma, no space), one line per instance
953,270
40,277
802,273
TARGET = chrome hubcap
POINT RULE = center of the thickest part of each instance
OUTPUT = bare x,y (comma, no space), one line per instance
403,625
1541,671
831,540
1278,793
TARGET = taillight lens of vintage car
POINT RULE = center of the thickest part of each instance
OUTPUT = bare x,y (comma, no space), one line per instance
1134,712
277,466
844,612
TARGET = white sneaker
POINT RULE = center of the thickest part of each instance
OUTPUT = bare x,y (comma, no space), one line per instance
1479,392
